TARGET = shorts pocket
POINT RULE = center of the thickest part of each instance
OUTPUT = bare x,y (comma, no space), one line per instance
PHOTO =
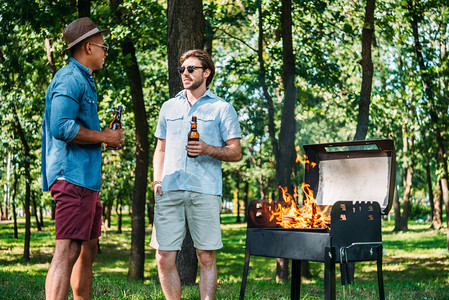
78,190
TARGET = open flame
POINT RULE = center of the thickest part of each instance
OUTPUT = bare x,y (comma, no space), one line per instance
304,159
287,214
310,215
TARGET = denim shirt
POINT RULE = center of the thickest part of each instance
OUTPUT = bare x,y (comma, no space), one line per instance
217,122
71,102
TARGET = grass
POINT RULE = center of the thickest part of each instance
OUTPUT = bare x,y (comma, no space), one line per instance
415,266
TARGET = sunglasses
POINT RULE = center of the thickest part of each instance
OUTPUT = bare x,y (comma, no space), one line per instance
190,69
105,48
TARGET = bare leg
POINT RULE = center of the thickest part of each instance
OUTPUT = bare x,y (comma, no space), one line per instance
208,274
58,276
168,274
81,279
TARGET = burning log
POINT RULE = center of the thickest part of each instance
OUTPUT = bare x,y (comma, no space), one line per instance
287,214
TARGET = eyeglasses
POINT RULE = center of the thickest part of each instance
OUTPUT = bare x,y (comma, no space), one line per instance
190,69
105,48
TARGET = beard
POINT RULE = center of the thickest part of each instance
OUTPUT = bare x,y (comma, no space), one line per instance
196,83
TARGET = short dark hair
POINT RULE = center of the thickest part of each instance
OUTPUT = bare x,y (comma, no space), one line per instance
78,46
83,43
206,61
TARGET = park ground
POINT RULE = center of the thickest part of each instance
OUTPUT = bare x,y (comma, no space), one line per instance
415,266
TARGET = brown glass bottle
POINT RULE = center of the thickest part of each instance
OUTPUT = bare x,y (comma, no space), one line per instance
116,123
193,134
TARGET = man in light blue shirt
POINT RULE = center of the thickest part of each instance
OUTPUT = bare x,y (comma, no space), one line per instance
71,161
188,190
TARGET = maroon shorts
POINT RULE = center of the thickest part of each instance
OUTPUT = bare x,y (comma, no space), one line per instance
78,211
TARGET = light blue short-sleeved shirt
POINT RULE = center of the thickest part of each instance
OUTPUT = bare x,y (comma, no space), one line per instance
71,102
217,123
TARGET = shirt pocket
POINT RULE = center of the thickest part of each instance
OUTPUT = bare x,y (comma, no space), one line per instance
89,105
174,124
208,129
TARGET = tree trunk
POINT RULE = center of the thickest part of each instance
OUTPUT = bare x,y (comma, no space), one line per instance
2,217
118,210
238,219
427,82
38,224
7,198
137,257
266,94
245,201
27,160
83,8
407,182
407,176
41,213
429,184
437,219
187,261
13,201
14,215
107,210
286,151
185,31
51,62
367,71
282,269
397,211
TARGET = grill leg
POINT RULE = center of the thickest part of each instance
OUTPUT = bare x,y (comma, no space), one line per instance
296,279
347,272
245,274
329,274
380,278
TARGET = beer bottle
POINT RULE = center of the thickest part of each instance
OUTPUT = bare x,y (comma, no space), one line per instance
193,134
116,123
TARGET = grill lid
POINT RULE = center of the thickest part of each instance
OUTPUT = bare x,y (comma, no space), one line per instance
352,171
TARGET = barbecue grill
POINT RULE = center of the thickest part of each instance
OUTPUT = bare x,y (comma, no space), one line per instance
357,180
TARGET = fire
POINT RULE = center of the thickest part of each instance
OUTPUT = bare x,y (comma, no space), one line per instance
310,215
303,159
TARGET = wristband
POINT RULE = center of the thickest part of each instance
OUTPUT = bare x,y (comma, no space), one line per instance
156,182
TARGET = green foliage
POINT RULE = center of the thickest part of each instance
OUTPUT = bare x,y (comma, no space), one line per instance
419,211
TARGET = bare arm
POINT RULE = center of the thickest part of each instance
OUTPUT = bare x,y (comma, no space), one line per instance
111,137
158,165
232,151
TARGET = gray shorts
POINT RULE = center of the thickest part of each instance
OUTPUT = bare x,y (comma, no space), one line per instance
176,209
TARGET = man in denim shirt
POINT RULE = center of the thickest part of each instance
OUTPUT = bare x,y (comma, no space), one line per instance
188,190
71,161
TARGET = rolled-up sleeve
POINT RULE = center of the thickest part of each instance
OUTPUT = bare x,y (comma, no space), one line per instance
230,127
64,110
161,128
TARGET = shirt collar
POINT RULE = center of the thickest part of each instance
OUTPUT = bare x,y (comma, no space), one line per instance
182,95
87,72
